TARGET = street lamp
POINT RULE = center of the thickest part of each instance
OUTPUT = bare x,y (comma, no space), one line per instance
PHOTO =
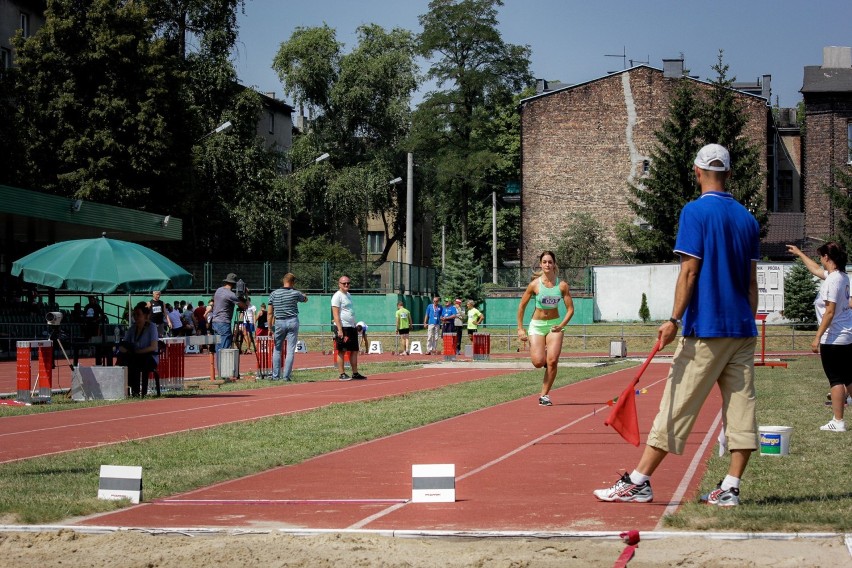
224,127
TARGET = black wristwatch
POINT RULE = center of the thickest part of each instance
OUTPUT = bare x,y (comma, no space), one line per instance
675,321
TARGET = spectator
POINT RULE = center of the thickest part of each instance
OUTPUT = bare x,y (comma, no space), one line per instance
432,322
139,350
247,326
158,312
200,320
448,319
346,335
403,325
459,323
261,321
187,318
718,241
283,318
175,324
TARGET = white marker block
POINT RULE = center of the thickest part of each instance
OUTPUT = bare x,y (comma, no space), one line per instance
375,348
301,347
120,482
192,349
416,348
433,483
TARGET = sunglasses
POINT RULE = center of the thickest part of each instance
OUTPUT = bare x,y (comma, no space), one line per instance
345,283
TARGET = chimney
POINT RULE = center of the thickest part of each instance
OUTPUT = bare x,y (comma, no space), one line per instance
766,90
673,68
834,57
540,86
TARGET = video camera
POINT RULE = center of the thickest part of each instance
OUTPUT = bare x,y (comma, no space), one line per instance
241,291
53,318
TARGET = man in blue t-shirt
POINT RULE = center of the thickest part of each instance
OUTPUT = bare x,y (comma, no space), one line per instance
432,322
716,297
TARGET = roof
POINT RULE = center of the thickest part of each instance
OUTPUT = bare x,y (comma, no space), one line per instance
783,229
575,85
54,218
827,80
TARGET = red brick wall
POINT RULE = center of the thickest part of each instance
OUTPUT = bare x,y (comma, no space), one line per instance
824,147
576,155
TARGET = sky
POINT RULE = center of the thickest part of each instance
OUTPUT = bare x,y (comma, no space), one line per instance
571,40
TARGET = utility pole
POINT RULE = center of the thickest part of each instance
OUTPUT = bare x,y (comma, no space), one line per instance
409,213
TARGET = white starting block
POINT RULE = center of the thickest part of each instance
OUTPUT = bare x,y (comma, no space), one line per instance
301,347
433,483
120,482
375,348
416,348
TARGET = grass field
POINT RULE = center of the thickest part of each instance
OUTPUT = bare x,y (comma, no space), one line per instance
805,491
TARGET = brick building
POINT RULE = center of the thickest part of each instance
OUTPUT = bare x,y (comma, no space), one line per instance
827,144
583,144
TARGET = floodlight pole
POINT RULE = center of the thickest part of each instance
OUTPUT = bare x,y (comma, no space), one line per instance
494,237
409,213
322,157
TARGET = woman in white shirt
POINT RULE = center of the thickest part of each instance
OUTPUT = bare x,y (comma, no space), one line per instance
833,339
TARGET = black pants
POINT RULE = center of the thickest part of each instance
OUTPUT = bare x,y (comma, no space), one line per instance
459,332
139,367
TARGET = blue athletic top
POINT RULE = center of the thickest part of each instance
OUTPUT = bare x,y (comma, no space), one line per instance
719,231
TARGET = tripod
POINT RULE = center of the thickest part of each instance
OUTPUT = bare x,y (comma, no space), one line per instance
56,338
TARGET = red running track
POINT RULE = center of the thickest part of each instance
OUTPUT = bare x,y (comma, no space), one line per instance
34,435
518,467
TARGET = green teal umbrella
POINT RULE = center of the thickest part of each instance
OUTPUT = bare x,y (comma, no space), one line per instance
101,266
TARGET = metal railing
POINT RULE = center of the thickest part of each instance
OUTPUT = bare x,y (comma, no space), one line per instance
317,277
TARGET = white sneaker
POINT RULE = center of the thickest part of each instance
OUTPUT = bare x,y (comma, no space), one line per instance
834,426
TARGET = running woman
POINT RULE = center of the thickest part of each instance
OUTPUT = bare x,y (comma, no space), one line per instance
545,332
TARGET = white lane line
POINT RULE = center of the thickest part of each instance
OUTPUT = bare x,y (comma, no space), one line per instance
325,392
363,522
690,472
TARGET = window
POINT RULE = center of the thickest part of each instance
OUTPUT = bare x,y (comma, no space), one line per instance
271,122
5,58
375,242
849,141
25,24
646,167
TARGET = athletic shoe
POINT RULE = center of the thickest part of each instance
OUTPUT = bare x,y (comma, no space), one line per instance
344,377
722,497
358,377
625,491
544,401
834,426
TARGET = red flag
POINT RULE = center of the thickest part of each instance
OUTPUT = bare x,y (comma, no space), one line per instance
623,417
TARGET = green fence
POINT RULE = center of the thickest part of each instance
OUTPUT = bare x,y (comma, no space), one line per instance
317,277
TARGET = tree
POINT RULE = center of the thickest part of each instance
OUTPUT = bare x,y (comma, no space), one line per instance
800,289
461,275
722,120
658,199
840,195
644,312
476,73
582,244
362,102
91,97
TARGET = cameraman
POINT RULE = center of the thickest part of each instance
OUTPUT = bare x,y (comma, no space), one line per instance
224,301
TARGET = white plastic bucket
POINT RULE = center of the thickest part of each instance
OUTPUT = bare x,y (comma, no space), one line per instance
775,440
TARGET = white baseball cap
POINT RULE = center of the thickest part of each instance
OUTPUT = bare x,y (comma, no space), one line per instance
711,153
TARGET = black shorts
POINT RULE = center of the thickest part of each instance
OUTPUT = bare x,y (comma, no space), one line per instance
349,341
835,363
403,332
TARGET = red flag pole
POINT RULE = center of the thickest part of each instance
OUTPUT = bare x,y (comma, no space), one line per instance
623,416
